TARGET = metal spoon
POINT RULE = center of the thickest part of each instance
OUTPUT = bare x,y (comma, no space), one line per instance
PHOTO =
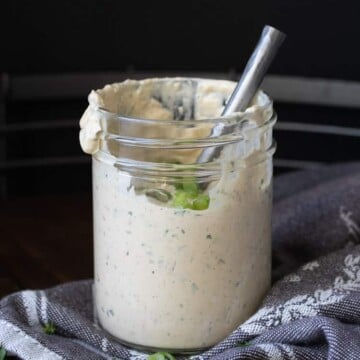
249,82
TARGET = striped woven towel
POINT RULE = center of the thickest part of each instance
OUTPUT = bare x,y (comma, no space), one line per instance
311,312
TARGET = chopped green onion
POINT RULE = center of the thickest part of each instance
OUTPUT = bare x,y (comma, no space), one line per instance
185,200
182,200
201,202
191,187
188,196
161,355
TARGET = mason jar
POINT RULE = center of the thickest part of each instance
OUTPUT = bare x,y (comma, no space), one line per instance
182,210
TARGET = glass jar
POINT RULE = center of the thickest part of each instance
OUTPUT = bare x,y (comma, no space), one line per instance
182,215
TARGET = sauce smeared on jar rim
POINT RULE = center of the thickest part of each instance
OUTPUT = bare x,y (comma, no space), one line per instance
163,99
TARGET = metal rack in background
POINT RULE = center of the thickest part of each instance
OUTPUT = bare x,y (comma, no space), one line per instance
47,87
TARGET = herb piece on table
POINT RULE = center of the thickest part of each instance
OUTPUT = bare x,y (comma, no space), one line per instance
243,344
49,329
2,353
161,355
188,196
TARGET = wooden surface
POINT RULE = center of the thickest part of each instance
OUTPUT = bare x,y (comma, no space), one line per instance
44,241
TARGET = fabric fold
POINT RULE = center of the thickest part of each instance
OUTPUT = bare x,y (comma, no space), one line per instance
311,312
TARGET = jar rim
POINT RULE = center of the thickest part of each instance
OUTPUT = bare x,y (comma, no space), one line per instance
266,105
102,128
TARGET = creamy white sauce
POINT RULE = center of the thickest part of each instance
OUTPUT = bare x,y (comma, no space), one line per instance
177,278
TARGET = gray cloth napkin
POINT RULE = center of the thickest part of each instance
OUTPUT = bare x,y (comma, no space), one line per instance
311,312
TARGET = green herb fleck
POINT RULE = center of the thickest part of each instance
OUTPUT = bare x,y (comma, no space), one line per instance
2,353
243,344
110,312
202,202
188,196
191,187
161,355
49,329
185,200
194,287
130,213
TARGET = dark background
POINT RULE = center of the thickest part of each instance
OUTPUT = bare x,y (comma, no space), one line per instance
202,35
71,37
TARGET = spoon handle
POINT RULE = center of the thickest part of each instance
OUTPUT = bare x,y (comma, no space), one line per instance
255,70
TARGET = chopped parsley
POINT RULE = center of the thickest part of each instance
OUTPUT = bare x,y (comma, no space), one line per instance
49,329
